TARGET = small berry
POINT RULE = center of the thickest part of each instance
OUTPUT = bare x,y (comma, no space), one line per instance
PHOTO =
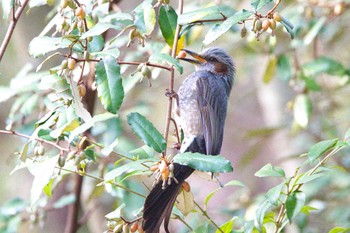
243,32
273,24
64,3
71,63
339,8
186,186
81,90
277,17
134,227
181,54
258,25
80,13
64,64
265,24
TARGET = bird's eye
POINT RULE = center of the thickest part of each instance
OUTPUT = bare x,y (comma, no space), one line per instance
213,59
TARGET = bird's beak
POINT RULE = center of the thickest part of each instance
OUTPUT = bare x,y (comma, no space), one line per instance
198,59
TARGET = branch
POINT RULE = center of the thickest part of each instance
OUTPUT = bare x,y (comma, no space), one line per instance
208,217
11,28
171,81
34,138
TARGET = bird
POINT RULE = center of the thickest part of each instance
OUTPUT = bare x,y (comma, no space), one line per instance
201,107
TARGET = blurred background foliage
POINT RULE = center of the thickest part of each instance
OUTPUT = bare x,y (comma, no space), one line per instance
288,95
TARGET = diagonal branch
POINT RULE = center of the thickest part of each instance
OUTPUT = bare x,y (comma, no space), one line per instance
11,28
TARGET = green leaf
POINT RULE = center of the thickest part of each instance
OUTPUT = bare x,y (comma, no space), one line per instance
48,188
258,4
143,152
284,68
310,83
270,70
205,163
231,183
312,33
145,18
167,23
147,132
306,209
98,29
184,202
274,193
270,170
339,230
116,214
294,203
302,110
161,57
109,84
109,52
320,148
227,227
219,29
347,135
39,46
324,65
289,27
212,12
125,169
260,214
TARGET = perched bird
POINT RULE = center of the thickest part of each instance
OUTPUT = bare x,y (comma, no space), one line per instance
201,106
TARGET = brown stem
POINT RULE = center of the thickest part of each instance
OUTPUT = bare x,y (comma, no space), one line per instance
11,28
36,139
171,81
274,7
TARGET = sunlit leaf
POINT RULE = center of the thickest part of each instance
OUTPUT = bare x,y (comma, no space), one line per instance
339,230
143,152
227,227
270,69
260,214
270,170
206,163
48,188
219,29
109,84
116,214
302,109
306,209
184,202
294,203
109,52
39,46
24,152
147,132
289,27
320,148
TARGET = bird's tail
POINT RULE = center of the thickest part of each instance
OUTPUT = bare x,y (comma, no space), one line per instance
159,203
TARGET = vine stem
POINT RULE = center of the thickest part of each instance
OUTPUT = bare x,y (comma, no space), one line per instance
11,28
207,216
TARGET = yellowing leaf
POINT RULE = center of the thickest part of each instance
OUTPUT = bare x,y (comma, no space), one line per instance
184,202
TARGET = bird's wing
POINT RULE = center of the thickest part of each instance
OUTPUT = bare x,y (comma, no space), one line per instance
212,103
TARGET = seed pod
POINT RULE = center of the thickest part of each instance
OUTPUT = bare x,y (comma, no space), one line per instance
61,161
64,3
71,63
41,150
265,24
80,13
125,228
186,186
165,174
273,24
181,54
140,229
339,8
81,90
134,227
146,72
277,17
243,32
64,64
258,25
154,168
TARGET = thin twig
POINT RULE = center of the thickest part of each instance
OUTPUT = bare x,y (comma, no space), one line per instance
34,138
274,7
11,28
207,216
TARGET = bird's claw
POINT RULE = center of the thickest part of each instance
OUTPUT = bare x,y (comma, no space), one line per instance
177,145
171,94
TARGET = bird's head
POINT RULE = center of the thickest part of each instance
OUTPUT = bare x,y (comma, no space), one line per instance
215,60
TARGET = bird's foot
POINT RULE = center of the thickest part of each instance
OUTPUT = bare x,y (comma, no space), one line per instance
171,94
177,145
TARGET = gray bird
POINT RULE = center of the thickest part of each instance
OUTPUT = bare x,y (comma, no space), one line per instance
202,107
